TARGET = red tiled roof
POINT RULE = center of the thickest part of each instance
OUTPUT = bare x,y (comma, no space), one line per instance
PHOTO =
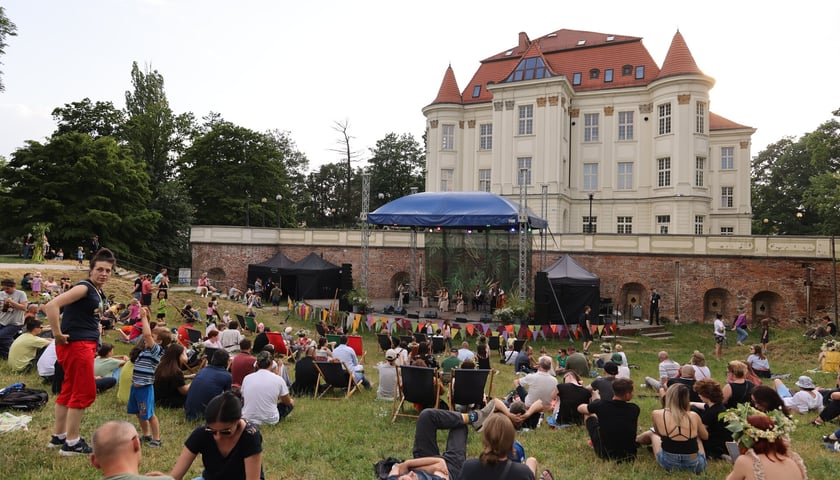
563,56
716,122
449,91
679,60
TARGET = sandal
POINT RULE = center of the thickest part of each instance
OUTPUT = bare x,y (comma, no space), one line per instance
828,439
546,475
814,423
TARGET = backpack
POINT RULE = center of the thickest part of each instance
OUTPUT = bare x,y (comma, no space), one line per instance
18,397
382,468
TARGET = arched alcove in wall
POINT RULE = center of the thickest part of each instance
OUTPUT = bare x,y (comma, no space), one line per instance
766,304
718,300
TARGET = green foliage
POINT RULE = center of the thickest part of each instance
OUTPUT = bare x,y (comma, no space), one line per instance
100,119
798,176
80,186
397,163
229,170
7,29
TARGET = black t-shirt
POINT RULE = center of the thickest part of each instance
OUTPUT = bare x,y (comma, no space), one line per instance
688,382
166,391
715,446
571,395
218,467
474,470
618,421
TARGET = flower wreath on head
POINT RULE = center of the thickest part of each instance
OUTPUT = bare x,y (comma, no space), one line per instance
745,434
830,345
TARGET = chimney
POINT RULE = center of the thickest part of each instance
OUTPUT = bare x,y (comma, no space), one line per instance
524,41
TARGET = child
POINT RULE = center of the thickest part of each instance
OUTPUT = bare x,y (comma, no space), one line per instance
141,400
161,310
80,256
226,318
36,286
765,333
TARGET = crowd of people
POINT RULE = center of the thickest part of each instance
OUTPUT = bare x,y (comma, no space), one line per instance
241,385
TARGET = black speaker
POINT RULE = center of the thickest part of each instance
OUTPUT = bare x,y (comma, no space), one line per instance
541,299
346,284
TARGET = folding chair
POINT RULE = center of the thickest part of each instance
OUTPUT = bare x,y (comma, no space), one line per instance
333,338
209,352
494,343
240,319
384,341
276,339
335,376
416,385
319,327
438,345
194,334
420,337
251,324
355,342
518,344
406,338
466,386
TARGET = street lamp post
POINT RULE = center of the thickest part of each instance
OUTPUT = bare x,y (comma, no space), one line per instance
278,198
247,208
263,201
589,229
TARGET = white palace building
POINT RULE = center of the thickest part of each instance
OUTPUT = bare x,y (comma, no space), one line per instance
591,118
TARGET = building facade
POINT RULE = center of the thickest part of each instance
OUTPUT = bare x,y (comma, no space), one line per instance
602,138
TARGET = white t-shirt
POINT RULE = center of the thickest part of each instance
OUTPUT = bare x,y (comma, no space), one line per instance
802,401
720,328
702,372
623,372
540,386
46,364
261,391
230,338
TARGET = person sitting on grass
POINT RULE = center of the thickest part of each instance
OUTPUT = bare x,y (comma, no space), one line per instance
107,366
230,446
209,382
117,452
612,423
769,457
428,462
24,349
497,437
170,383
265,394
711,394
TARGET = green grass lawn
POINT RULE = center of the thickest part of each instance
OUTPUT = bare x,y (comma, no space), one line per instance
325,439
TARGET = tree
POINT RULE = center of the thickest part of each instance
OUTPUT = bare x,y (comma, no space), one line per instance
7,29
326,188
795,185
79,186
345,212
229,170
100,119
397,163
296,165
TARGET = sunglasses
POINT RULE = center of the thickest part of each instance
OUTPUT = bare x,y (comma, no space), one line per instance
225,432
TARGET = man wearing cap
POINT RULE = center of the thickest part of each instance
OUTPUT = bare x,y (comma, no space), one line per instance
265,394
387,388
807,398
623,370
13,306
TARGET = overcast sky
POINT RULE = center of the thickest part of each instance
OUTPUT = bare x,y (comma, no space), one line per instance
299,66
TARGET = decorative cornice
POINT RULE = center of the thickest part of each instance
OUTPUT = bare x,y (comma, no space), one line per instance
608,111
497,106
540,101
552,100
471,123
433,123
645,107
745,145
574,112
509,104
461,124
684,98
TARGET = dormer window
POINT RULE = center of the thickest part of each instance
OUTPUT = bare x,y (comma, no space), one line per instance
594,73
626,70
529,69
476,91
608,75
576,78
640,72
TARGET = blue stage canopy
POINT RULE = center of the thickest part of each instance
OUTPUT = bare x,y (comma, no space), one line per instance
452,210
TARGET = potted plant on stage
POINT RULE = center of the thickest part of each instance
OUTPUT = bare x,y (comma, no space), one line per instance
358,298
515,310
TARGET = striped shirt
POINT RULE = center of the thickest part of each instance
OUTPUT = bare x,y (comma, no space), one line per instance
144,367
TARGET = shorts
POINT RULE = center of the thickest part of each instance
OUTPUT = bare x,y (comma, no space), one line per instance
275,302
694,462
146,299
141,401
587,334
78,390
719,339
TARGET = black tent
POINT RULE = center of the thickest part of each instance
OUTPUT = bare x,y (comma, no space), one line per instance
570,287
312,277
269,269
